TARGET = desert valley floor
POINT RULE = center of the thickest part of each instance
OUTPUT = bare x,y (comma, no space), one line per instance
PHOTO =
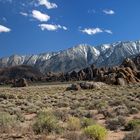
49,112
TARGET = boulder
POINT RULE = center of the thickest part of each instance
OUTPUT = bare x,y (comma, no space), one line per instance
20,83
111,78
129,63
121,81
91,85
86,85
75,87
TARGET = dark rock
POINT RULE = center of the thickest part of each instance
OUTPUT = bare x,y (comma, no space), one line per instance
111,78
20,83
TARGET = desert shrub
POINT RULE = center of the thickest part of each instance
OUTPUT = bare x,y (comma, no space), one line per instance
116,102
133,110
121,110
13,110
31,109
3,96
95,132
7,96
107,113
116,123
131,125
101,104
85,122
6,122
20,117
46,122
61,114
72,135
134,135
73,124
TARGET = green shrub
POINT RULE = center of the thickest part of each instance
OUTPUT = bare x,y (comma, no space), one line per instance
131,125
95,132
134,135
85,122
46,122
73,124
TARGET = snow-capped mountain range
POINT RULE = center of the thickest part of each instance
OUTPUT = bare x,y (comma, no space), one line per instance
77,57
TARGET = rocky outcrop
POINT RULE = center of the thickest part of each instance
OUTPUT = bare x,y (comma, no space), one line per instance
128,72
20,83
9,74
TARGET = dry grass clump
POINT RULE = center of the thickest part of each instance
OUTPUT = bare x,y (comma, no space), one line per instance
73,124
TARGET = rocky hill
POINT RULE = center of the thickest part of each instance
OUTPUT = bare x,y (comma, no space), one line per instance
126,73
9,74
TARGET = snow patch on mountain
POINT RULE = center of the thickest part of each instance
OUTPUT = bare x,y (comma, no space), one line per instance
77,57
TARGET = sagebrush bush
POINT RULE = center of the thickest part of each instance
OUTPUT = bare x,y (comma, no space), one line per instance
85,122
96,132
46,122
116,123
61,114
6,122
131,125
134,135
73,124
73,135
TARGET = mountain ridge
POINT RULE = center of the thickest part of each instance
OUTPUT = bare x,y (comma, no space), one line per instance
77,57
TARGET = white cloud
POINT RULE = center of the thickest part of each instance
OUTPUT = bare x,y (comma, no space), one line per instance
24,14
40,16
47,4
92,31
51,27
4,29
64,27
108,31
109,12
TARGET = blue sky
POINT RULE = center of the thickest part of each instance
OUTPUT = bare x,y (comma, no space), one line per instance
36,26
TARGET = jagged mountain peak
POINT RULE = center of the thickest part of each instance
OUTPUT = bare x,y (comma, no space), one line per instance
77,57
